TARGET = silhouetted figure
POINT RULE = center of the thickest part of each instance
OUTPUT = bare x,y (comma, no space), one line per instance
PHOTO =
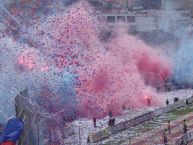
169,127
111,122
94,121
88,140
185,126
111,119
187,102
148,101
176,99
167,102
165,136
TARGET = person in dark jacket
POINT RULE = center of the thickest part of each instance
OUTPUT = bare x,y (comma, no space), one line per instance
167,102
185,126
111,119
94,121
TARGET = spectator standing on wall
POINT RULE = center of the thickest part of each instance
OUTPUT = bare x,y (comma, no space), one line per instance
94,121
167,102
185,126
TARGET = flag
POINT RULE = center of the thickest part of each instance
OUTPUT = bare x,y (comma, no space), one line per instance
8,143
11,132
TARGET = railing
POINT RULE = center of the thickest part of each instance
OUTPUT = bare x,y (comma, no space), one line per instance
98,136
40,128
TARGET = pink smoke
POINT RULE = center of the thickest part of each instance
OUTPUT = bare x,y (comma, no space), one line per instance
152,64
109,79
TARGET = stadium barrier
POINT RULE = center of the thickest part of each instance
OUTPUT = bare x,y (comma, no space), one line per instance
117,128
98,135
189,100
40,128
185,139
24,109
95,137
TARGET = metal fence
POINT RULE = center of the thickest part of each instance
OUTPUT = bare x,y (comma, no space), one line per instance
40,128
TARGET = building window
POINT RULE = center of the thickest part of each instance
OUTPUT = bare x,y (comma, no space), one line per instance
111,19
101,18
121,18
130,18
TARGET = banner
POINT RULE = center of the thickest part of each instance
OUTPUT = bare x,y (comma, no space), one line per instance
8,143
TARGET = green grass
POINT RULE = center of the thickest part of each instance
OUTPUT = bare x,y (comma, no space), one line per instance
170,116
183,111
113,143
108,143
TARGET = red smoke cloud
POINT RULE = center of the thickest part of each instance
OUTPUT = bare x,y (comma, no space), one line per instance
109,79
153,69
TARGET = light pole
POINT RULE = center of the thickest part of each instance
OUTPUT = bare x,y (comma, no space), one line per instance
79,137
